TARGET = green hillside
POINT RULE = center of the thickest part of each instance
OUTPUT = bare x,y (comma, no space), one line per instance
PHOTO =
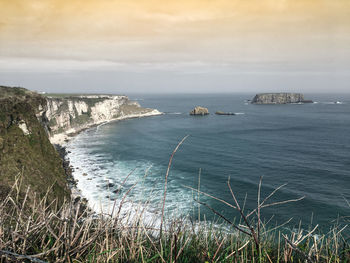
25,150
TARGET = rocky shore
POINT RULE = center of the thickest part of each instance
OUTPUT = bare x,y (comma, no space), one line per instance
67,116
68,170
72,182
71,115
33,129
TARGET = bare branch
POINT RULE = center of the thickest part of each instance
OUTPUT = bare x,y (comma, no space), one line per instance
267,198
243,216
223,217
259,193
211,196
294,247
284,202
166,182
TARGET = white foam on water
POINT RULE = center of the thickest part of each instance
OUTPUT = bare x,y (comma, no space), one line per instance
100,180
174,113
333,102
100,125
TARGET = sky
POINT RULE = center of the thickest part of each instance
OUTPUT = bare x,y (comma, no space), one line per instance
204,46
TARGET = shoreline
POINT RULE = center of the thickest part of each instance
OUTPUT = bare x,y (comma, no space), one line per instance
62,138
59,141
68,171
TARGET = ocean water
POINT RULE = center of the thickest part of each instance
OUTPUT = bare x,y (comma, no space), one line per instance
305,146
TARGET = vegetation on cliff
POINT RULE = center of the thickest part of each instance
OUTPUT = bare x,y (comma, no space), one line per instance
25,149
28,120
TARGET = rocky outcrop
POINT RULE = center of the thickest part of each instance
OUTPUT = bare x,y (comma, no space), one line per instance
69,115
199,111
279,98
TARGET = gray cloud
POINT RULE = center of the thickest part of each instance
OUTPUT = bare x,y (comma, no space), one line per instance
227,45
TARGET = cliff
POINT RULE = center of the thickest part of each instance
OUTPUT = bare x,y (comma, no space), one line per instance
71,114
279,98
25,149
29,121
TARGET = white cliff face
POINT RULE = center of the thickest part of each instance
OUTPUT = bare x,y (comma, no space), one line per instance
73,114
61,112
80,107
108,109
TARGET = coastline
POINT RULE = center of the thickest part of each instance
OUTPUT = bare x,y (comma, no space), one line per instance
68,170
63,138
59,142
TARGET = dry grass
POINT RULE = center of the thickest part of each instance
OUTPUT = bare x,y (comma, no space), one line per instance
38,231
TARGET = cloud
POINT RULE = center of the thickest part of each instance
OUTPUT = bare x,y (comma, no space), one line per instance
20,66
27,65
181,36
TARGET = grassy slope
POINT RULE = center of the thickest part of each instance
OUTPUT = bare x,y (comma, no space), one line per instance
31,156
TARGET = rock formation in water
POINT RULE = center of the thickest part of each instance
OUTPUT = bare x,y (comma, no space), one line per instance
279,98
199,111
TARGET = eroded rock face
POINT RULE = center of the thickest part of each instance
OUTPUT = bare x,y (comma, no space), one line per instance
72,114
199,111
28,121
278,98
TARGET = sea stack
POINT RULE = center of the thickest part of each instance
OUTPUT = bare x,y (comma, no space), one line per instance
199,111
279,98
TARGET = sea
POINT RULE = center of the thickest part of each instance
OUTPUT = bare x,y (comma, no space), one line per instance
304,148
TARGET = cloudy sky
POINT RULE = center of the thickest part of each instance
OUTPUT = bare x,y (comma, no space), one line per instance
122,46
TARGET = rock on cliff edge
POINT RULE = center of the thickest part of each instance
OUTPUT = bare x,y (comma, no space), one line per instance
279,98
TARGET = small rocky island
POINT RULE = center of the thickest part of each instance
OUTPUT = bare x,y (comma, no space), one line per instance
199,111
279,98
